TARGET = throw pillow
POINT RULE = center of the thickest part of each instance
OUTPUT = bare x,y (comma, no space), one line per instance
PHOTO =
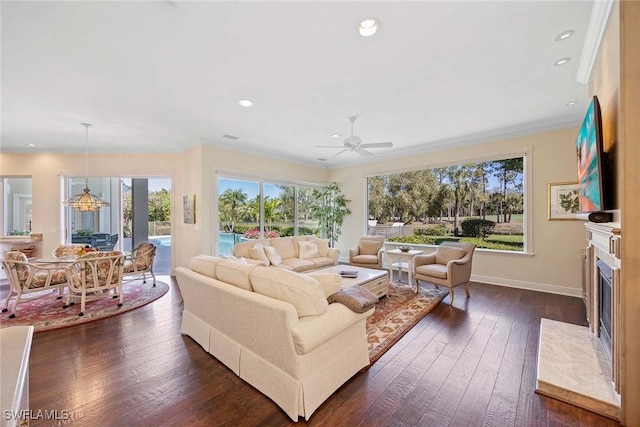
308,249
330,282
235,273
355,298
444,254
369,247
273,255
257,252
205,264
299,290
323,246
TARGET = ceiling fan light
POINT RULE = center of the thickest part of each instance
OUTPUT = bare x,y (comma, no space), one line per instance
368,27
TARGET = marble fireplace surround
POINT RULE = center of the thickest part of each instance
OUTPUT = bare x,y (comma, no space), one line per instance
572,363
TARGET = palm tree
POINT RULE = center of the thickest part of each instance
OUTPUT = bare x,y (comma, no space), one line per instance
230,204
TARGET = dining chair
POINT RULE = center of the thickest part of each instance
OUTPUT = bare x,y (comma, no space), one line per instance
26,277
95,275
140,262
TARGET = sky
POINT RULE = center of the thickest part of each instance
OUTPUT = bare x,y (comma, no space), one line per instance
251,188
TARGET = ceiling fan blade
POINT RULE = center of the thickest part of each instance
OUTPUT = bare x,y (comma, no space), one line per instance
363,151
340,152
329,146
377,145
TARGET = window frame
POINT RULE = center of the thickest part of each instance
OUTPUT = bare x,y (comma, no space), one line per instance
527,192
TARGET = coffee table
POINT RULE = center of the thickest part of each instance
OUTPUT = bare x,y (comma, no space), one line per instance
375,281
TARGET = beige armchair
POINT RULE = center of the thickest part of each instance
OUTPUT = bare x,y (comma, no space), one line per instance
368,253
449,265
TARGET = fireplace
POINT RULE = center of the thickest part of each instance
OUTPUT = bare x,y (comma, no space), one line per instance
604,279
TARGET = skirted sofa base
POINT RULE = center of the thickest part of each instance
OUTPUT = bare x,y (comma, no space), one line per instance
297,361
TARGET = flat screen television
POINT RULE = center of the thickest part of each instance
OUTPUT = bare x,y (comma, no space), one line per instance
593,194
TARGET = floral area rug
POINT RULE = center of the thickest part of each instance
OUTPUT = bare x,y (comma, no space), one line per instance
44,311
396,314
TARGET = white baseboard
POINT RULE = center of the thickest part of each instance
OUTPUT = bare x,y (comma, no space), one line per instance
532,286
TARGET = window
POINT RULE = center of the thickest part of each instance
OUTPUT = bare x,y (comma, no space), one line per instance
16,205
482,202
249,209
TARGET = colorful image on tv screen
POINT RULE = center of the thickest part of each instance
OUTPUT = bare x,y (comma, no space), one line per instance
588,168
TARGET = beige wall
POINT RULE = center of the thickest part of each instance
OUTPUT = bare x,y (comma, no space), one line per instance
192,172
555,262
46,171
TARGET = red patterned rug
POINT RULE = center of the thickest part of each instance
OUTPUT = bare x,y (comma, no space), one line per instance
44,311
396,314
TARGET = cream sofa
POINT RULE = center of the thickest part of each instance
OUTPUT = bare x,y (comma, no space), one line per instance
293,252
274,329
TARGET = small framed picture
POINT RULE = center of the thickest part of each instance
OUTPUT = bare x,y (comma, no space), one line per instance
562,200
189,209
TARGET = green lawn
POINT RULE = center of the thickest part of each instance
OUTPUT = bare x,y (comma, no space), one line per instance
495,241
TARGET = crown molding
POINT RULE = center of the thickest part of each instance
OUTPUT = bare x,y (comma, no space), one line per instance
593,38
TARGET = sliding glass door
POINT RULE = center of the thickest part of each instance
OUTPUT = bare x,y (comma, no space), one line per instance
139,211
252,209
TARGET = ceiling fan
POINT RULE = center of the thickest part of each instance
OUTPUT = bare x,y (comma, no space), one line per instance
354,143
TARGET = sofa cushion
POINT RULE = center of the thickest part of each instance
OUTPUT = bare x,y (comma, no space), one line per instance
307,249
241,249
257,253
235,273
365,259
369,247
284,246
323,247
273,255
330,282
205,264
299,290
297,264
321,262
433,270
444,254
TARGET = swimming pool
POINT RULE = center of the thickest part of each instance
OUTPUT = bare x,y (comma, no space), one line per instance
161,240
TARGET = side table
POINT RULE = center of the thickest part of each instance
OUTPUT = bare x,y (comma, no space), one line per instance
404,259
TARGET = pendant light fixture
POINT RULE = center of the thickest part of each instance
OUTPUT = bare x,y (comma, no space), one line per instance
86,201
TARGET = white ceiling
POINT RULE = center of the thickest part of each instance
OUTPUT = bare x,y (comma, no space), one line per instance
165,76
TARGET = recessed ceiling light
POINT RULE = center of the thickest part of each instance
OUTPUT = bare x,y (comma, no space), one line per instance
570,103
564,35
335,135
31,145
561,61
368,27
246,103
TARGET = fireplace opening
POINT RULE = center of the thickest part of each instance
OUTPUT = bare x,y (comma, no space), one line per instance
604,290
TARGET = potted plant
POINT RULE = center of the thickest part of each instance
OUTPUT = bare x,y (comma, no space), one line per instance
332,208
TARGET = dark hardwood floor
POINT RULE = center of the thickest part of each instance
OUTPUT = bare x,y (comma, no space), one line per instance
472,364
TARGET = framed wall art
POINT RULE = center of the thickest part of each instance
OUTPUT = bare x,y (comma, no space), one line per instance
562,200
189,209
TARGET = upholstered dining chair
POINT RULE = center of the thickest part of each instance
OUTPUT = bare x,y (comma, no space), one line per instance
449,265
368,253
140,262
93,276
25,277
